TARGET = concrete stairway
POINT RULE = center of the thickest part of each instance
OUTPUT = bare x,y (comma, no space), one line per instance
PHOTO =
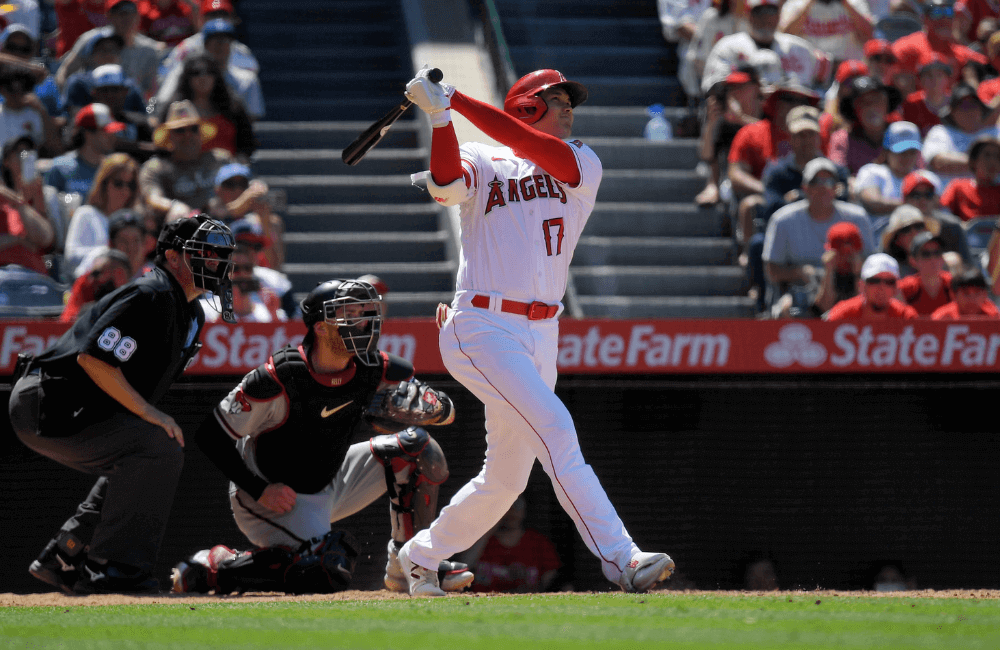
328,70
647,250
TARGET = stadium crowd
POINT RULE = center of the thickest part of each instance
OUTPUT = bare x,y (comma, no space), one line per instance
854,146
117,117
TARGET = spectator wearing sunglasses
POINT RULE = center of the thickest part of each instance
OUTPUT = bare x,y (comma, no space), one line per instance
916,49
922,190
253,301
796,236
182,181
18,41
866,108
876,291
930,287
239,196
114,189
905,223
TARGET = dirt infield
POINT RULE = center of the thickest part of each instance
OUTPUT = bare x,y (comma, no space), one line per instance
60,600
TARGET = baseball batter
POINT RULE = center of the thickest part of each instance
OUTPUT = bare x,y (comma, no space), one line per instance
523,207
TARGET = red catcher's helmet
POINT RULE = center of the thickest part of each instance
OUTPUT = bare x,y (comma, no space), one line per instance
524,103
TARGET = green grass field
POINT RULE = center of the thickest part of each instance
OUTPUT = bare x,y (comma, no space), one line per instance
572,621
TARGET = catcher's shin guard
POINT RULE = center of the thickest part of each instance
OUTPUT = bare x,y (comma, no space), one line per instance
414,468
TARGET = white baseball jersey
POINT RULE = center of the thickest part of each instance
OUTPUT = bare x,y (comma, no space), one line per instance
799,59
829,27
520,225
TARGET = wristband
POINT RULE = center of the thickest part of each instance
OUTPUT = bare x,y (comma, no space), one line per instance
441,118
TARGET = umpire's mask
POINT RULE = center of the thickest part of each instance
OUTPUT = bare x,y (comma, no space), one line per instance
209,247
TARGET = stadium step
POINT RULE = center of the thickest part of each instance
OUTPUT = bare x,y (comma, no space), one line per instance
589,8
336,84
330,135
401,277
609,281
301,189
639,153
316,11
387,160
366,247
649,251
560,31
619,121
332,57
642,307
638,60
632,185
619,219
310,35
362,217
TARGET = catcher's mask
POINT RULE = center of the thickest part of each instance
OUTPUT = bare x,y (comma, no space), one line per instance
208,247
355,308
523,99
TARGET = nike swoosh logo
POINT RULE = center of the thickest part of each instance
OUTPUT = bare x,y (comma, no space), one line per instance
327,412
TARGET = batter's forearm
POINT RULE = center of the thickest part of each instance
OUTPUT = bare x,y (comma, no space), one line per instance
548,151
446,159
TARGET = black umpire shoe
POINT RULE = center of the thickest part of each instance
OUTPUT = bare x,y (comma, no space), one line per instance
114,578
57,568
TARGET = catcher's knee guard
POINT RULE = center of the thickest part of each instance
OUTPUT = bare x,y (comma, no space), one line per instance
321,565
414,468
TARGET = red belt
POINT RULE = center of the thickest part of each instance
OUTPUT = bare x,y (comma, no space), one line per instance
533,310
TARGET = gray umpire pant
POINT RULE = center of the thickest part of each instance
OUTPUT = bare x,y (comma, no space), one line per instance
142,465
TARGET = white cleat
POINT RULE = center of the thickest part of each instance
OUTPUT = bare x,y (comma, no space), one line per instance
644,570
452,576
421,582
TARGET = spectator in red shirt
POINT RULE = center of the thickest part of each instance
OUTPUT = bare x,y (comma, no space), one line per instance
75,18
990,88
511,558
971,298
879,275
979,196
111,270
842,261
866,108
925,106
930,287
25,234
167,21
760,142
915,49
922,190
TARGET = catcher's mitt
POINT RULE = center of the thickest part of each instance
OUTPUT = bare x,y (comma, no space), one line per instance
410,404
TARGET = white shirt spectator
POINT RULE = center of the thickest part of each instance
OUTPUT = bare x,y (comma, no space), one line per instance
828,27
710,30
88,230
673,14
800,61
881,178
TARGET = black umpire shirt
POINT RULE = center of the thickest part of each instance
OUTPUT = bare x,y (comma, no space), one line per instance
147,329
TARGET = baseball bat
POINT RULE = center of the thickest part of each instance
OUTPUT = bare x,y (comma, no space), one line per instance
371,136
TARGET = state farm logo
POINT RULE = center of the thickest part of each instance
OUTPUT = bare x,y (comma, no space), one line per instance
795,344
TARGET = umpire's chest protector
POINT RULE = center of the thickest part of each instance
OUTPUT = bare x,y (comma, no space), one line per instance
306,450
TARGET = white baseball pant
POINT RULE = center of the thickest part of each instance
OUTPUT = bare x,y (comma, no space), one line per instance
509,363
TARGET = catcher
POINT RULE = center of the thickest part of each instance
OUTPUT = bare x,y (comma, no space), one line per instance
283,438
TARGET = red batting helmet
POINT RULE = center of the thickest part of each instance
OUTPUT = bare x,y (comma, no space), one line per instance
524,103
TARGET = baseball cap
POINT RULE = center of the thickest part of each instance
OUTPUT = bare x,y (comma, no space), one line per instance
124,218
878,264
843,234
921,239
107,76
247,232
878,47
232,170
850,69
977,146
902,136
106,33
918,178
817,165
15,28
933,60
218,26
97,117
803,118
111,4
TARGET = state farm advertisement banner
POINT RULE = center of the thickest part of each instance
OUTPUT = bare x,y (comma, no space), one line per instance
598,346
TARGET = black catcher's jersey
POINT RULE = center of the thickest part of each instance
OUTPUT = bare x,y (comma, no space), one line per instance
294,425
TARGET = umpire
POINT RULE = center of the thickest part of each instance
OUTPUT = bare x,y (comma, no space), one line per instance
88,402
